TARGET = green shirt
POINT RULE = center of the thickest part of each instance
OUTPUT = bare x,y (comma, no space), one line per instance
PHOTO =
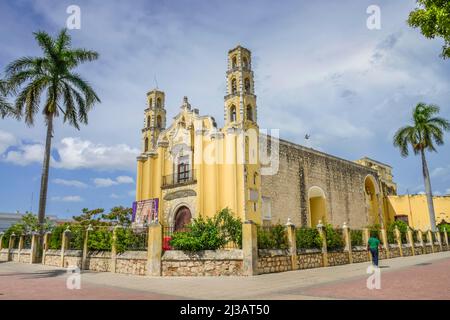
373,243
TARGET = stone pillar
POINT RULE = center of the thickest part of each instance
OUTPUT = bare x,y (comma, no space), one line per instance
438,236
85,248
45,248
348,241
398,238
20,247
366,236
10,245
64,244
292,240
430,239
385,242
114,249
34,247
411,241
249,248
154,249
2,234
324,243
446,238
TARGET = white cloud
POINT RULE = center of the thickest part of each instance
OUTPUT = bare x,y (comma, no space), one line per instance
70,183
447,191
76,153
68,199
440,172
6,140
108,182
114,196
25,154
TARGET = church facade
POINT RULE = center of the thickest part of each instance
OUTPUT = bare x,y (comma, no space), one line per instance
193,168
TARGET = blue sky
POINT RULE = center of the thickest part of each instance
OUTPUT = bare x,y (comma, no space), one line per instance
318,70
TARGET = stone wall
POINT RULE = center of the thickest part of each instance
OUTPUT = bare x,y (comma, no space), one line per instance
428,249
24,256
132,262
14,255
309,259
360,254
73,258
301,168
98,261
270,261
52,258
394,251
338,258
4,255
204,263
407,250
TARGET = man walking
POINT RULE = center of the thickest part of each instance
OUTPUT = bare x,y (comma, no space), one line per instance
372,245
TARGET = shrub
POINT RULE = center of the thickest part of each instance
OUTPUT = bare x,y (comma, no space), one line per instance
230,227
128,239
308,238
203,234
335,239
356,237
55,238
76,236
402,227
100,239
273,237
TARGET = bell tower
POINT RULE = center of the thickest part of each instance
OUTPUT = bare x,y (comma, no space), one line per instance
240,101
154,120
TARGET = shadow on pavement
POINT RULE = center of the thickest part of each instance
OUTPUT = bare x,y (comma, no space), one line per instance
37,275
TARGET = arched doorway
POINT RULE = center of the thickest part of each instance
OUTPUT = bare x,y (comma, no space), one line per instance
317,206
182,218
371,194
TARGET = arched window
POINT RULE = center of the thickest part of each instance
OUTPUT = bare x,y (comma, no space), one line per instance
232,113
233,86
158,121
247,85
255,176
148,122
249,113
146,145
234,62
245,62
158,102
150,102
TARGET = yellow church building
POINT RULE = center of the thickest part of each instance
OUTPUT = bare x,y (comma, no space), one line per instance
191,167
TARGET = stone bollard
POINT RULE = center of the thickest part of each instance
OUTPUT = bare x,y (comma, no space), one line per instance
46,245
430,239
366,236
446,238
34,247
438,237
12,238
411,241
292,240
348,241
85,248
154,249
398,238
114,249
385,242
2,234
20,247
249,248
64,244
323,236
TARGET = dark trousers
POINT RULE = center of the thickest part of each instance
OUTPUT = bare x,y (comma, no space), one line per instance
374,253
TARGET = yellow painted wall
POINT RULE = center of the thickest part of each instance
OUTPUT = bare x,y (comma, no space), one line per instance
415,207
317,209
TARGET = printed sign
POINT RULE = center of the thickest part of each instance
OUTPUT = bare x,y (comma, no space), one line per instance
145,211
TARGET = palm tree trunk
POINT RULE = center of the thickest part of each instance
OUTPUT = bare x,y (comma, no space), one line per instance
426,178
44,176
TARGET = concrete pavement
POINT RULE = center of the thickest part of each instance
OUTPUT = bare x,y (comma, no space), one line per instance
418,277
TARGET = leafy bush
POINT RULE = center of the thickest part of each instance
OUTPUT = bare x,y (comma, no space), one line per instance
391,236
55,238
100,239
402,227
230,227
374,230
76,236
356,238
335,239
308,238
273,237
128,239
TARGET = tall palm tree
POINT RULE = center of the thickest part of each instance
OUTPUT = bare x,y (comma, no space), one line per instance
5,107
427,130
66,93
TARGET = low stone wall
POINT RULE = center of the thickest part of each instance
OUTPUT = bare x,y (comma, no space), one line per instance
52,258
132,262
309,259
337,258
270,261
98,261
4,255
360,254
73,258
14,255
24,256
406,249
428,249
204,263
394,251
418,249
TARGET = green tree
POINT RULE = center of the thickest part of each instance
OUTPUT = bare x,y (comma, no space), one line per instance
426,131
120,215
5,106
52,75
433,19
88,217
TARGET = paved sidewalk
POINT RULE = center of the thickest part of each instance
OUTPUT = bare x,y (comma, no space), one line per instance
419,277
